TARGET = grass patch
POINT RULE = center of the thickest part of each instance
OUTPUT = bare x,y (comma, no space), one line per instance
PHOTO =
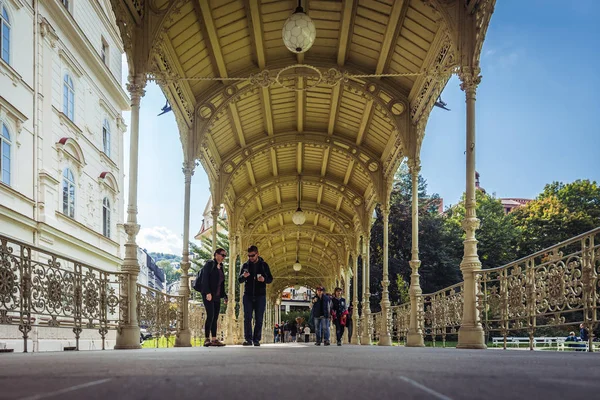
163,343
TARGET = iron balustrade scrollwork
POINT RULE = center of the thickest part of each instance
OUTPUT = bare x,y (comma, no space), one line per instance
160,313
545,294
442,312
400,322
39,288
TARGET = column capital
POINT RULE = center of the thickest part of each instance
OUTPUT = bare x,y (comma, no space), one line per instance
414,166
188,168
135,87
470,78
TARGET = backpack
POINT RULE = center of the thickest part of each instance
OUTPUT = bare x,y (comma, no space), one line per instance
199,277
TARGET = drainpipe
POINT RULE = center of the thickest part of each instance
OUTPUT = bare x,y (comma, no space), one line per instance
35,121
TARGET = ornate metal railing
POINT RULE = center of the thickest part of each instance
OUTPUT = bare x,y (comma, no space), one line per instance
159,313
198,318
443,312
545,294
400,322
43,289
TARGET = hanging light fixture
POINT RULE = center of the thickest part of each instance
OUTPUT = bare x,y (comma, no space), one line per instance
299,31
299,217
297,266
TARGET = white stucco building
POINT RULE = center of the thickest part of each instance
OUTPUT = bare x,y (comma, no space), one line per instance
61,100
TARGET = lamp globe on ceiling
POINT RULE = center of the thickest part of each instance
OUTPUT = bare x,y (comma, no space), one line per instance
297,266
299,31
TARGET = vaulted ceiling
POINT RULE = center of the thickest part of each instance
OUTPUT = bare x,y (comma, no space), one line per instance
338,119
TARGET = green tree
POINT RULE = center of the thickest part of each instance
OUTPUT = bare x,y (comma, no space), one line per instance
438,250
171,274
402,286
496,235
560,212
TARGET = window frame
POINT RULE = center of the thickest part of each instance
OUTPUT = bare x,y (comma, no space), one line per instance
5,141
5,24
106,137
69,97
106,217
69,202
104,51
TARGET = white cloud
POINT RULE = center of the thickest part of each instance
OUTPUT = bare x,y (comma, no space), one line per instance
160,240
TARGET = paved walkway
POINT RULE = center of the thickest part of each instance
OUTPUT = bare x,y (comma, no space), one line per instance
299,371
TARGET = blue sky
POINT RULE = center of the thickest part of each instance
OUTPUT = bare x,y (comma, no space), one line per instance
538,109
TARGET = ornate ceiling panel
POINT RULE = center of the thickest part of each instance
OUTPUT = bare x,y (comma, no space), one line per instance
342,131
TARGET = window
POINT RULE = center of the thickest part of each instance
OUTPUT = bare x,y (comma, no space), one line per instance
104,52
5,155
69,98
65,3
106,217
106,137
68,193
5,35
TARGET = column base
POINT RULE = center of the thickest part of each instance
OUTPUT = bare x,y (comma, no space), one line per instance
354,340
471,338
414,339
129,338
184,339
385,340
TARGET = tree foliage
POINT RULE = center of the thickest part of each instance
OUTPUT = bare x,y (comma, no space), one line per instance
496,235
560,212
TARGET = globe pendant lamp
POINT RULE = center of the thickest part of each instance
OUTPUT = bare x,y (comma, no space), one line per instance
299,31
297,266
299,217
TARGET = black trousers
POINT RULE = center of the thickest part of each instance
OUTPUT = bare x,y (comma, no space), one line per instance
339,330
212,316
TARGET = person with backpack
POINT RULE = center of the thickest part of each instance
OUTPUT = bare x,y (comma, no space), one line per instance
255,273
211,282
339,314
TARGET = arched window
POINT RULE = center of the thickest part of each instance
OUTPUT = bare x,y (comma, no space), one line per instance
68,193
5,155
5,35
106,137
106,217
69,97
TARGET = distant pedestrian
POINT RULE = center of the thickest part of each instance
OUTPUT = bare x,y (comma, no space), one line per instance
321,312
339,314
349,326
306,334
293,331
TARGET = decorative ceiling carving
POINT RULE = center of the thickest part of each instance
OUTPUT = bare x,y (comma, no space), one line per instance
344,119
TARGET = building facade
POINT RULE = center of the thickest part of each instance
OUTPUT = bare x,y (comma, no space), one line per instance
61,126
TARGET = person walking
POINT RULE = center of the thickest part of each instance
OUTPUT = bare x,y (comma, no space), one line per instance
306,334
339,314
349,326
213,289
255,273
321,312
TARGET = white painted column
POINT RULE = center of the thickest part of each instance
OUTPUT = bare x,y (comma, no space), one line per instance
185,336
128,336
415,333
355,303
241,312
232,275
215,227
470,334
385,339
366,319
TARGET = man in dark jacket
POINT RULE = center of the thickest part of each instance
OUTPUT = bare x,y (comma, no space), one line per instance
321,312
256,275
213,289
